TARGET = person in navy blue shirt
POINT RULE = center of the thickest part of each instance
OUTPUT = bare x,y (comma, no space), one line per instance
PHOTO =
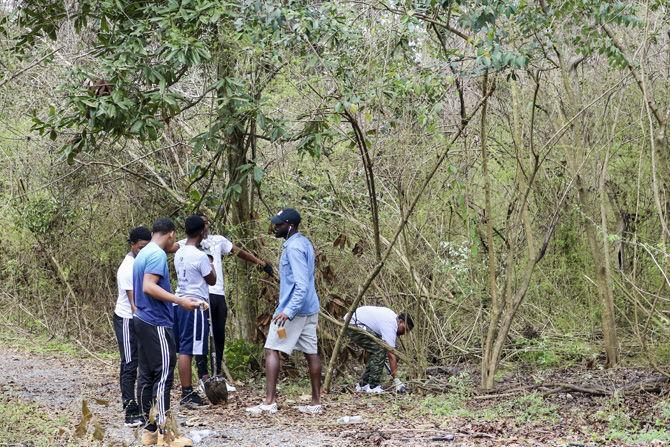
296,318
153,322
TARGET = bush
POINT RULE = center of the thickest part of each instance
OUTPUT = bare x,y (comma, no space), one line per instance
242,357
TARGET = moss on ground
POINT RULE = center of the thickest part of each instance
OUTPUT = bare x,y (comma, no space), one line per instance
27,424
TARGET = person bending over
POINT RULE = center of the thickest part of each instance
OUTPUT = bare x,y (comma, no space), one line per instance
383,323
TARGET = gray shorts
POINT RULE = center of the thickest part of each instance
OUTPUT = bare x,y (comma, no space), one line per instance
300,335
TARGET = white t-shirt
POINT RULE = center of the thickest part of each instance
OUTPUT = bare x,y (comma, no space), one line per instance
217,246
124,281
192,265
380,320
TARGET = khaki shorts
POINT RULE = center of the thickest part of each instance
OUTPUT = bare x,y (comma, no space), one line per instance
300,335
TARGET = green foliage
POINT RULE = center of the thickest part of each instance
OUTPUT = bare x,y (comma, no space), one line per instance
547,353
615,413
454,402
38,213
532,408
240,355
622,427
245,88
663,408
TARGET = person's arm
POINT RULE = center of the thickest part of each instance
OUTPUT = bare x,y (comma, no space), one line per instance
172,248
207,270
393,363
150,287
131,300
249,257
211,278
298,263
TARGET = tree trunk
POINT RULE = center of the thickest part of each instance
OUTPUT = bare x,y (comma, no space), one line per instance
234,143
488,362
575,155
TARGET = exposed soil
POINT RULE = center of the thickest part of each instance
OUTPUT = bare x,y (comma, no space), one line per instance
58,384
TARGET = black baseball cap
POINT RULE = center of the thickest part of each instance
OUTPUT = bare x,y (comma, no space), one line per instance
286,215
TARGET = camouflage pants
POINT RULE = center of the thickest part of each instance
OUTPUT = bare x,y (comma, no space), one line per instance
376,361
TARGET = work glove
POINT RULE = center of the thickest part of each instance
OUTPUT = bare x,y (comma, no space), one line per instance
399,386
267,268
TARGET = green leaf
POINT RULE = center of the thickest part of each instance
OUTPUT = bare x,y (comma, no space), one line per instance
194,195
137,127
258,174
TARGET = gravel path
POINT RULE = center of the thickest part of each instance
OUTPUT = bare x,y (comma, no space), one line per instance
58,384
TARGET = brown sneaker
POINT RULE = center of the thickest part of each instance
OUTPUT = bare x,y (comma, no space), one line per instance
168,440
149,437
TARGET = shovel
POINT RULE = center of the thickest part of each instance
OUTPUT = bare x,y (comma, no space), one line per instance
216,388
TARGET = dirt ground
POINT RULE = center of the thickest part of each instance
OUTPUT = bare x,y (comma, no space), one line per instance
57,384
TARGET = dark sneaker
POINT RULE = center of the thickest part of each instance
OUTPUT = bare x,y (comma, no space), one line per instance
191,398
133,416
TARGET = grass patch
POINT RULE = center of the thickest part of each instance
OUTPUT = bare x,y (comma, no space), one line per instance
533,408
621,427
548,353
454,402
38,341
294,388
638,436
28,424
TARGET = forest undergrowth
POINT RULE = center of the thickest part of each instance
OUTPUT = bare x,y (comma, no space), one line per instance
498,169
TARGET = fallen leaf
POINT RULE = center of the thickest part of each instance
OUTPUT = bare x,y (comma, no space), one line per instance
86,416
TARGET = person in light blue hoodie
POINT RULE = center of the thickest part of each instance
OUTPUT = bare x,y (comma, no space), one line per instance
296,318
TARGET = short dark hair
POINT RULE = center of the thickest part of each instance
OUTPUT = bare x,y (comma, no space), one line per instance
407,319
193,225
139,234
163,226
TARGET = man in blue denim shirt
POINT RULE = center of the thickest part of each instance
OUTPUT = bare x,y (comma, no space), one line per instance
297,315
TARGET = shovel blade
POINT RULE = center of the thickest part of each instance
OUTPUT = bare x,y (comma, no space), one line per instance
216,390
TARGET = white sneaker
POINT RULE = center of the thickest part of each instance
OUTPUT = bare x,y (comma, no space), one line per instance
310,409
376,390
230,388
362,389
262,408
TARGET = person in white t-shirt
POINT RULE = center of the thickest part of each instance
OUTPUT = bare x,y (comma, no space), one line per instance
123,326
218,246
379,322
195,272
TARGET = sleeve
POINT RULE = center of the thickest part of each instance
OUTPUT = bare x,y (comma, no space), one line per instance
226,246
125,276
156,263
298,263
204,265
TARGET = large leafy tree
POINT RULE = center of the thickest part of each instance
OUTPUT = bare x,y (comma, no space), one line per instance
150,66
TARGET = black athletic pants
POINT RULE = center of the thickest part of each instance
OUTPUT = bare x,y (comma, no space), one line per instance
157,359
219,313
125,336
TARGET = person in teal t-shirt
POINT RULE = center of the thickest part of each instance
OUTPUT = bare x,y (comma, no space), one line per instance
153,322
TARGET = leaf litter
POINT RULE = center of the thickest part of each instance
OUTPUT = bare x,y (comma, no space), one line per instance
531,409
